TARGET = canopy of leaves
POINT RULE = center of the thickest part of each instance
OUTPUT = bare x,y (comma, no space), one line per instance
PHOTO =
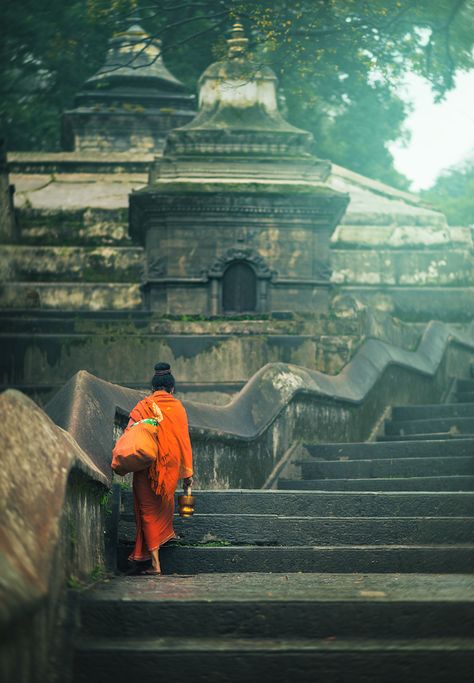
339,62
453,194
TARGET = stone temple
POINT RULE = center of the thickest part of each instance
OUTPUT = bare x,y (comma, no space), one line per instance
221,247
320,328
131,103
241,186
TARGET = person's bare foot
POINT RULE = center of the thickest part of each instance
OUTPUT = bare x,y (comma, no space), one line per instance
155,562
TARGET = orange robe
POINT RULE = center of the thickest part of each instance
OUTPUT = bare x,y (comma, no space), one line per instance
153,488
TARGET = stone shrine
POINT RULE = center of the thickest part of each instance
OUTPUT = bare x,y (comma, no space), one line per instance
131,103
238,214
70,274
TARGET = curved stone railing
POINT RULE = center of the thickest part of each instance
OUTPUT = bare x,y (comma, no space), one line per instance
52,531
239,444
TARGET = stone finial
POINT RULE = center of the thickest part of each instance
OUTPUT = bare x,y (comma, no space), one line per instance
237,42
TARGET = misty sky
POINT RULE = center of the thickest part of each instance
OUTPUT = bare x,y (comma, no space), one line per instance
441,134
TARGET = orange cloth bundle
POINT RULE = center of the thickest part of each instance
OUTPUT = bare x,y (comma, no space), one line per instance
175,458
137,448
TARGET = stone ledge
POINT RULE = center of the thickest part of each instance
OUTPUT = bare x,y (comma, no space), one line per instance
82,264
417,303
80,162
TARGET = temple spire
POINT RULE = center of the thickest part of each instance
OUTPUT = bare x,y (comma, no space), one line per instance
238,42
238,111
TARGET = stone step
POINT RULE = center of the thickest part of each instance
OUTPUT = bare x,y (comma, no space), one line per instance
273,530
460,425
421,412
451,483
78,296
465,396
64,321
335,559
328,503
71,264
262,605
465,385
432,436
305,660
392,449
393,467
92,227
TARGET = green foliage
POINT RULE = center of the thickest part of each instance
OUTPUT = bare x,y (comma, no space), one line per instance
338,61
74,583
453,193
105,501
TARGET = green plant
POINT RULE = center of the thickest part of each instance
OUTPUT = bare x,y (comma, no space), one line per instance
75,583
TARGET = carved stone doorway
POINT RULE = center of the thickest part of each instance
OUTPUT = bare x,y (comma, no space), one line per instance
238,282
239,289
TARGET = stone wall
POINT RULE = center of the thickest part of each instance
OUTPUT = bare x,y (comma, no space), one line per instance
239,445
53,503
341,409
7,217
74,251
193,231
211,358
399,255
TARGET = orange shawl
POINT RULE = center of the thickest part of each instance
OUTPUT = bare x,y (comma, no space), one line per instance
175,458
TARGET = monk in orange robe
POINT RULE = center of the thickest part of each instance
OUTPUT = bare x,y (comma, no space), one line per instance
154,488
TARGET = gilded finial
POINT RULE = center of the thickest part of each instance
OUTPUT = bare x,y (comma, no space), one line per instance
237,42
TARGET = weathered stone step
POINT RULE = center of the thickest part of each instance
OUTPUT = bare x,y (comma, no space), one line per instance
465,385
340,559
71,264
421,412
461,425
451,483
432,436
324,605
237,660
74,227
70,296
56,322
328,503
392,449
393,467
273,530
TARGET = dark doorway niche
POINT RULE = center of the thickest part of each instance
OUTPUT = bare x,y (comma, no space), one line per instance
239,289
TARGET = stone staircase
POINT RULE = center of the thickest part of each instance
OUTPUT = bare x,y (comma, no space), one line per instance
74,259
356,571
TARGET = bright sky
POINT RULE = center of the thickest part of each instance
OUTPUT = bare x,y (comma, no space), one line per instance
441,134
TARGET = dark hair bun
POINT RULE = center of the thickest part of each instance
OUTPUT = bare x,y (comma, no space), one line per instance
163,379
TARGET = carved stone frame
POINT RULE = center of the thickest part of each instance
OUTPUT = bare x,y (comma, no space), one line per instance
238,254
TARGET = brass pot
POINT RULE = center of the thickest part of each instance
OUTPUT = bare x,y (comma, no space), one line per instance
186,504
